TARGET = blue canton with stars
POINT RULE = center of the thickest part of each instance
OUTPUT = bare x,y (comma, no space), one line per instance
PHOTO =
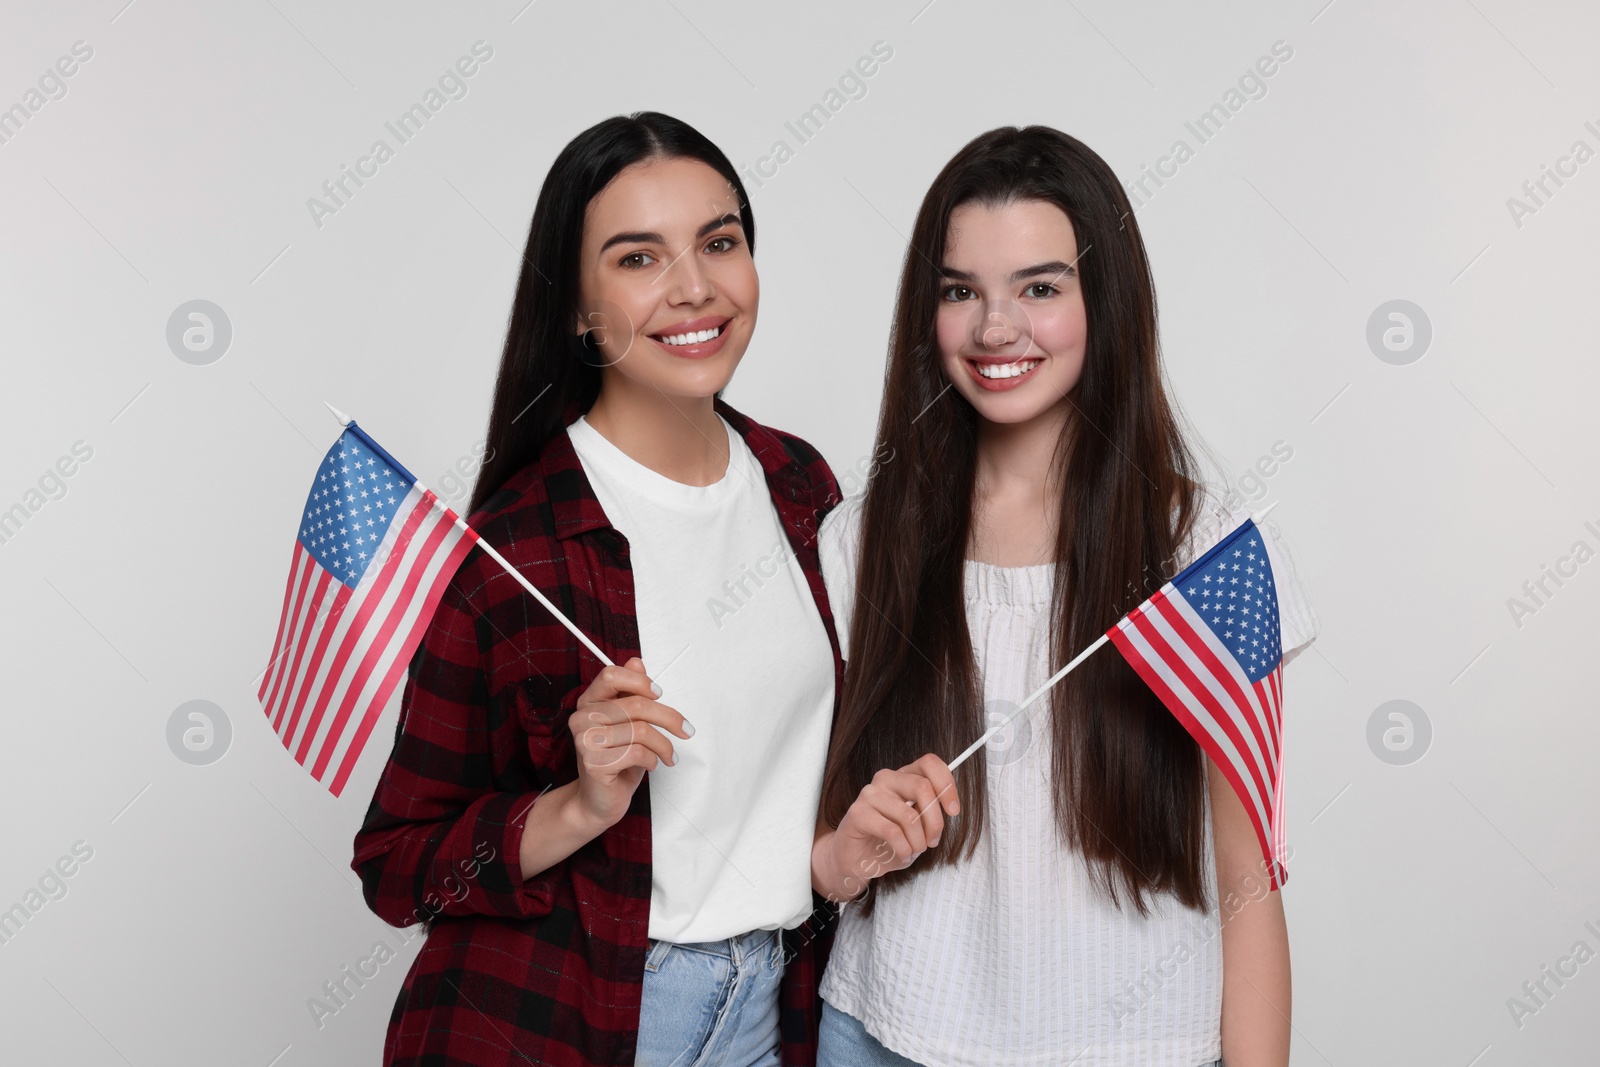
355,498
1231,589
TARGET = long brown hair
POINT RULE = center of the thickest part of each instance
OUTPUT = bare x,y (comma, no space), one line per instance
1130,784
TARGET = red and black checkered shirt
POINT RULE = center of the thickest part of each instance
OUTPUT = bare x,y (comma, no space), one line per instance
546,970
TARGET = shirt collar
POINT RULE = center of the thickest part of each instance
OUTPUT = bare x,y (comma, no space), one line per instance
577,509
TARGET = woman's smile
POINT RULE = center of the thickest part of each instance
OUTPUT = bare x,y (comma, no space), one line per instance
694,338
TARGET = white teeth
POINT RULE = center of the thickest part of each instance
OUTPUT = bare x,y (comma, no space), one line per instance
699,337
1007,370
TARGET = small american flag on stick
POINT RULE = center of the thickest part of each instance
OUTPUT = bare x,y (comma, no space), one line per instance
373,555
375,550
1208,644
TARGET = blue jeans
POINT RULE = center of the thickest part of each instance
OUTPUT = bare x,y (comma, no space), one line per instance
711,1003
844,1042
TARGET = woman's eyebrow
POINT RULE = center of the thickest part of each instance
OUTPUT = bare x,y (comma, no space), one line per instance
641,237
716,224
651,237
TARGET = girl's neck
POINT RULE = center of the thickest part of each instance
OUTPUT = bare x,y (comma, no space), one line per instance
677,437
1016,493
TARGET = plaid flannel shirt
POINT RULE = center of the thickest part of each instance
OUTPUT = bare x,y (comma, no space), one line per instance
546,970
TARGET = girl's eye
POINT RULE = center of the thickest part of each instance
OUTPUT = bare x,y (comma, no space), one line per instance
634,260
726,243
956,293
1042,289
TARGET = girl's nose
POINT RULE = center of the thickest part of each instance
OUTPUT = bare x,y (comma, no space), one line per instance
998,326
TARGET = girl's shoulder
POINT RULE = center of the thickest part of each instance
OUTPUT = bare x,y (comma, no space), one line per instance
1218,511
843,521
839,539
839,550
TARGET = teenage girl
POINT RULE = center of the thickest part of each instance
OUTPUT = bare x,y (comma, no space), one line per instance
613,862
1074,912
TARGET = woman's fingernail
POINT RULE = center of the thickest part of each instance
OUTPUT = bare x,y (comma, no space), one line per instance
688,728
934,843
654,688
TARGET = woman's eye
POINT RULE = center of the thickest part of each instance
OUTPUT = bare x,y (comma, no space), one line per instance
956,293
721,244
1041,289
634,260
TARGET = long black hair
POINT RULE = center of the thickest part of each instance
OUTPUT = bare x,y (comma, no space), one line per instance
1130,785
545,379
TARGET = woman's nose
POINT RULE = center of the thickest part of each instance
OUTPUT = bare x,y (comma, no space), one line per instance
687,281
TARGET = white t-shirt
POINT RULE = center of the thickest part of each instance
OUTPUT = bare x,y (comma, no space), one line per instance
729,629
1015,956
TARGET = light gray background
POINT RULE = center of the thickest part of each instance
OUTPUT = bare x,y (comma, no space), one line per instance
1418,500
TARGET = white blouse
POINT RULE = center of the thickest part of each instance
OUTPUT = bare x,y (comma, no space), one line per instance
1015,956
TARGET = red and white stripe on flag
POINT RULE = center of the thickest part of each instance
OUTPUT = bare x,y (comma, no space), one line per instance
341,649
1237,722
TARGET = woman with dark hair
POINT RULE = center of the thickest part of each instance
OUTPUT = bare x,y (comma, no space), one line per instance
1041,489
579,909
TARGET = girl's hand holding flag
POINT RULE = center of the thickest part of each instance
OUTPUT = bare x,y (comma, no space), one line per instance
895,818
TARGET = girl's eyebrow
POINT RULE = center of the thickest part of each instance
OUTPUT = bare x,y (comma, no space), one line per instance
1055,267
651,237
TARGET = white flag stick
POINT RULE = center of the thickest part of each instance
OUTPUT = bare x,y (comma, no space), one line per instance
1037,693
540,597
489,550
1064,671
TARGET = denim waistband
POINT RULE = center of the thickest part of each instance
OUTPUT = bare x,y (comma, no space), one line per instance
739,947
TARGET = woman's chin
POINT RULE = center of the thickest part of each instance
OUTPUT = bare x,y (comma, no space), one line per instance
686,383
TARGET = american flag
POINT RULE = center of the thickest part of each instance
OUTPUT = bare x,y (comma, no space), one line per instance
372,558
1208,644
